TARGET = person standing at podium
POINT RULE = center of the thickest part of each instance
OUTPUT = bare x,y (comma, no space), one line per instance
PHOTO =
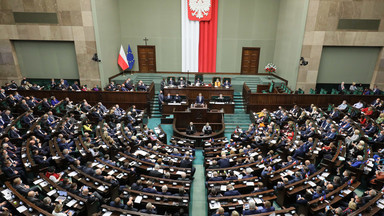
199,99
191,129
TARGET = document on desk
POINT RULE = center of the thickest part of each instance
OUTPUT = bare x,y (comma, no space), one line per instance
21,209
71,203
111,172
43,184
214,205
73,173
7,194
258,201
223,188
250,183
313,184
289,172
50,193
325,174
101,188
108,213
138,199
122,159
36,182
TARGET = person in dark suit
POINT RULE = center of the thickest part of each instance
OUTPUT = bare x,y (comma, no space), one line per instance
311,167
75,86
199,99
191,129
10,171
24,106
68,157
186,162
216,177
177,98
41,134
14,133
22,188
182,82
117,203
226,84
88,169
171,82
251,209
2,94
7,117
231,191
150,188
341,87
40,159
155,172
168,98
224,162
266,208
160,99
198,82
33,199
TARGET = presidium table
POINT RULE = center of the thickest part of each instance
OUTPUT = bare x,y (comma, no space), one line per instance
199,116
191,92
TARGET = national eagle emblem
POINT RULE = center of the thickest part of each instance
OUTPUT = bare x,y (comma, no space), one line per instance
199,8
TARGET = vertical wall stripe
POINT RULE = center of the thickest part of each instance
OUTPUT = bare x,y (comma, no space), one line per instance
190,31
208,42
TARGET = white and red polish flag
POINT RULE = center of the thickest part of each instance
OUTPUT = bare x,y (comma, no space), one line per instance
122,59
199,35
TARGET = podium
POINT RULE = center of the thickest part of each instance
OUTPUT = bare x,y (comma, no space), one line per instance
199,115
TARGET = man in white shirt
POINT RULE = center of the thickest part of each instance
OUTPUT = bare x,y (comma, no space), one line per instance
343,105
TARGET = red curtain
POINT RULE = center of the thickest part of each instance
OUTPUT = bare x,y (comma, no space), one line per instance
208,42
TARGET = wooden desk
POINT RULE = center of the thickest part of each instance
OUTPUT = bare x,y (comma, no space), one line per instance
228,107
191,92
108,98
169,107
199,116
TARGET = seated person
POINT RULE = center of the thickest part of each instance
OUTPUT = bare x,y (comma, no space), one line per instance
221,98
182,82
177,98
207,129
217,83
171,82
191,129
199,99
221,212
343,105
231,191
168,98
198,82
226,84
266,208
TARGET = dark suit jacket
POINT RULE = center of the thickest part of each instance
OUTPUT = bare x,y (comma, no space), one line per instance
199,100
232,193
155,173
191,129
186,163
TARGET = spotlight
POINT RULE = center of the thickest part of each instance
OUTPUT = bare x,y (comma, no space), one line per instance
303,62
96,58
